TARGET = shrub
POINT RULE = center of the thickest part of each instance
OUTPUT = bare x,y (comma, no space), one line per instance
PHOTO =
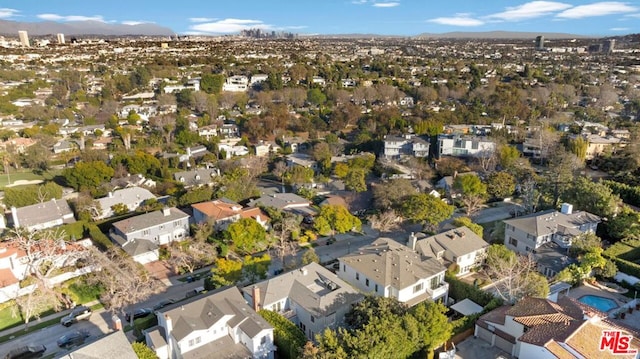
460,290
287,337
98,238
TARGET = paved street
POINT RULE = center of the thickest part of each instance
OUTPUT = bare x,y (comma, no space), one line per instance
99,324
96,327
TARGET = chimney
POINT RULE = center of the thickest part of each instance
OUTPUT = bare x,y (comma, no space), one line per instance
566,208
168,334
110,194
14,215
256,297
412,241
455,174
166,211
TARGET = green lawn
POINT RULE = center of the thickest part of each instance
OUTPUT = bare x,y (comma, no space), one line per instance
26,175
7,319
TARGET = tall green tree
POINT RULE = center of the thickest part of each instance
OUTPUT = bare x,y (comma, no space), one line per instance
467,222
335,218
426,209
246,235
592,197
473,191
501,184
434,326
87,175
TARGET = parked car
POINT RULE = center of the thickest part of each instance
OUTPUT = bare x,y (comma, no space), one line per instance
73,338
138,313
26,352
78,313
195,291
163,303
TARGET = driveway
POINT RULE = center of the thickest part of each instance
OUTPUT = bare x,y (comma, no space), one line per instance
474,348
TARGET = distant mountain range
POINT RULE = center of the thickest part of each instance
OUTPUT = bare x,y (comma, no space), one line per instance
500,35
76,28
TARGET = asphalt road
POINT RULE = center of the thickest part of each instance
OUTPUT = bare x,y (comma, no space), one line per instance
98,325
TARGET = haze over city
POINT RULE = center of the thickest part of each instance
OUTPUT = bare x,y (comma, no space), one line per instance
384,17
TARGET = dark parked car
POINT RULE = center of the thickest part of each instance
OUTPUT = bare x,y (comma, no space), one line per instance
193,292
28,352
138,313
77,314
163,303
73,338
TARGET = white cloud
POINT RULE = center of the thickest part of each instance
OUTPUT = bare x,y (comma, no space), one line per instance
597,9
457,20
386,4
529,10
619,29
202,19
56,17
6,13
634,15
228,26
133,23
359,2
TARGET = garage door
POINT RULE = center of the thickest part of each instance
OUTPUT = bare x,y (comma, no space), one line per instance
484,334
504,344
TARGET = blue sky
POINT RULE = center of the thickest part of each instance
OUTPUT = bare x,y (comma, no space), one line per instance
392,17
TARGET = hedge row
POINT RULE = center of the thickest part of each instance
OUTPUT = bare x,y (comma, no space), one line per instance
99,239
460,290
287,337
629,194
626,266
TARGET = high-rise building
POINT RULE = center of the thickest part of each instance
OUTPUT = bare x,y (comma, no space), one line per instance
540,43
60,38
608,46
24,38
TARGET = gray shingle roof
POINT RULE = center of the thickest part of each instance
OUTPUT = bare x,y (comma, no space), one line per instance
128,196
280,201
149,220
550,221
391,264
44,212
459,241
201,313
312,287
114,345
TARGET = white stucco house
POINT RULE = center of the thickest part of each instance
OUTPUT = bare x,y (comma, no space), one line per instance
389,269
219,324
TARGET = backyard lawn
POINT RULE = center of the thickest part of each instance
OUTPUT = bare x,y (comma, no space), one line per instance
25,175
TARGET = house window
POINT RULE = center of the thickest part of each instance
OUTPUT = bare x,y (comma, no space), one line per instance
513,241
198,340
344,268
376,288
313,319
527,248
367,282
357,276
145,232
417,288
264,340
435,282
530,236
191,342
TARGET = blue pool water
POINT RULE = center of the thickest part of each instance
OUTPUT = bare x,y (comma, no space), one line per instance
600,303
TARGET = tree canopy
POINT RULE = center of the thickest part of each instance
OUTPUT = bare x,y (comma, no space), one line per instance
426,209
335,218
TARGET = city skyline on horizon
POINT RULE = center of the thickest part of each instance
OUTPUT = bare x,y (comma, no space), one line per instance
382,17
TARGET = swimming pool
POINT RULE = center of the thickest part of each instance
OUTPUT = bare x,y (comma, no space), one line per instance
601,303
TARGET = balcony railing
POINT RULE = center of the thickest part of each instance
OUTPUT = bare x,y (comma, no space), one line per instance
438,291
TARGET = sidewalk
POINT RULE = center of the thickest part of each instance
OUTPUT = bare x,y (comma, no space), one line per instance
57,315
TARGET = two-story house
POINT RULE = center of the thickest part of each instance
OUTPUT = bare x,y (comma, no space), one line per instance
222,212
460,246
536,328
42,215
312,297
141,236
458,145
528,233
290,202
131,197
409,145
219,324
389,269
